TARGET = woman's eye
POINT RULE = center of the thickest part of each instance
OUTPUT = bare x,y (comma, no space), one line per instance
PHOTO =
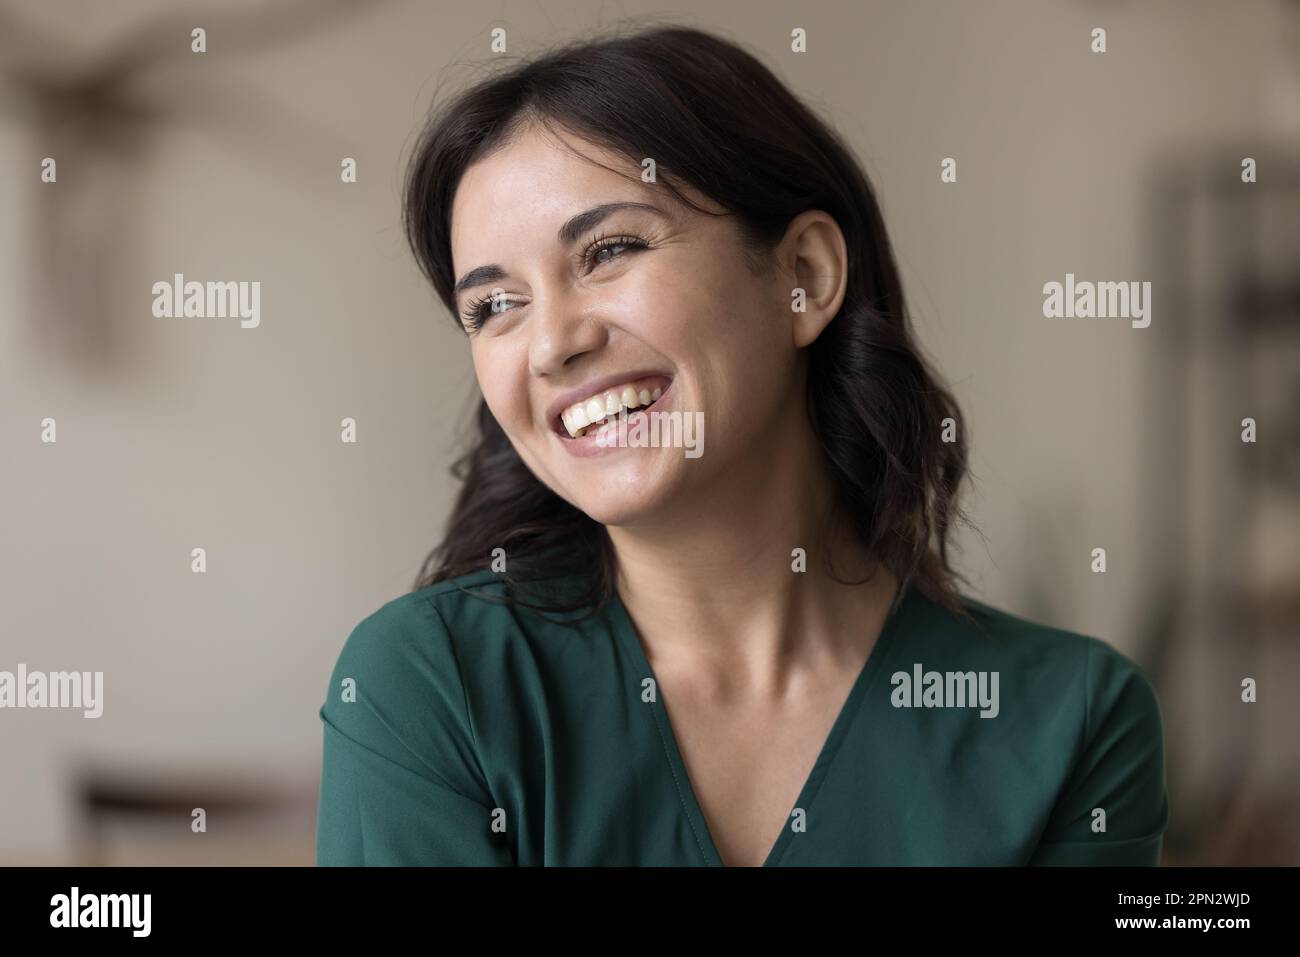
605,250
480,310
606,253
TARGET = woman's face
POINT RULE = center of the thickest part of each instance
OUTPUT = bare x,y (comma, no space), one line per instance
647,295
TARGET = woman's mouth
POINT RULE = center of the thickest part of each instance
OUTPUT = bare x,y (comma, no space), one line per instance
584,434
583,419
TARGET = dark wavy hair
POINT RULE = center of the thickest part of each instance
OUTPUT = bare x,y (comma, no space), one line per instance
715,118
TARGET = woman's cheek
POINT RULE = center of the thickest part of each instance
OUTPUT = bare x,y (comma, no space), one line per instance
503,401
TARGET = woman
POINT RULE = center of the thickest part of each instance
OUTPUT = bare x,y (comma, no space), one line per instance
629,654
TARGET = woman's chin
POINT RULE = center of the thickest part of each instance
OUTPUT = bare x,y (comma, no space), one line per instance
622,506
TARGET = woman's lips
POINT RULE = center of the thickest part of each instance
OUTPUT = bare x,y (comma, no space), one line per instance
606,403
589,444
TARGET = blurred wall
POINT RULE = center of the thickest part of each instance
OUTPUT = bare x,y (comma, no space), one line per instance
174,434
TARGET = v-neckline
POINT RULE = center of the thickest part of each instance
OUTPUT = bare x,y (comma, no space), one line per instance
626,632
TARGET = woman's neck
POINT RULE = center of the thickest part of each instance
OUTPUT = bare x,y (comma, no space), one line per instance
723,585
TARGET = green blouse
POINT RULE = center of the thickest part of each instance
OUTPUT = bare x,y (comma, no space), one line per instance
459,730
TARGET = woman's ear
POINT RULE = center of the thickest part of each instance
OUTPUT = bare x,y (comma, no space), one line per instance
814,255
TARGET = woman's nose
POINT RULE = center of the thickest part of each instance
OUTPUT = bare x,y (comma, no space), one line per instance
562,327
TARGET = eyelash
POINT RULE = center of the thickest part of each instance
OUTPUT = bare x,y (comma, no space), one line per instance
476,310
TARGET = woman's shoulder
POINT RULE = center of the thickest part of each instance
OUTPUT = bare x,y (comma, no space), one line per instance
432,621
396,694
410,624
1057,663
429,677
439,636
1074,708
1053,688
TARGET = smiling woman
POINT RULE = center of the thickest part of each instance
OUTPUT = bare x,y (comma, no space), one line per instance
622,655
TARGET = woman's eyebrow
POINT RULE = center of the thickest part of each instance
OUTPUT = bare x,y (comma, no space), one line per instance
579,224
572,228
476,277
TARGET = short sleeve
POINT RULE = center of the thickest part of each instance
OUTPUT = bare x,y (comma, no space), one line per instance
1118,781
400,778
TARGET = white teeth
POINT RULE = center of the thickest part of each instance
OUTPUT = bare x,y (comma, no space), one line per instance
578,417
574,419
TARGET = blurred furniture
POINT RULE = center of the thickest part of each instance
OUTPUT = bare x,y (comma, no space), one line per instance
1223,516
144,817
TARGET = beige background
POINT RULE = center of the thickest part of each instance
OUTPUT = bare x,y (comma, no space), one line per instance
181,433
